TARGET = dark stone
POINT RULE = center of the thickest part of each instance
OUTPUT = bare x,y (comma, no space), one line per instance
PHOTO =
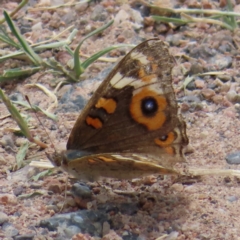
233,158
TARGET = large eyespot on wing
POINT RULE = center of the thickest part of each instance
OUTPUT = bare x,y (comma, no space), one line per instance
147,108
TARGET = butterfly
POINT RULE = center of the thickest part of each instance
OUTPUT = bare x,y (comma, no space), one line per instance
131,126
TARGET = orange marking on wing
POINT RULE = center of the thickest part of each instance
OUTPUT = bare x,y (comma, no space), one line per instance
167,142
169,150
141,73
94,122
91,161
109,105
150,58
154,67
106,159
154,122
144,77
148,78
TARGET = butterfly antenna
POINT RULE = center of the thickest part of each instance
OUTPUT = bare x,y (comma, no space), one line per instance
62,122
65,194
35,112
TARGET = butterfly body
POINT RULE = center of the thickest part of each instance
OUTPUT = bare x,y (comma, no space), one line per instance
131,126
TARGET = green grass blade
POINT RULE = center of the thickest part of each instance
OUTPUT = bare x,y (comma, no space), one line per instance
30,195
48,114
170,20
18,72
21,154
19,120
94,57
36,108
16,116
26,47
42,174
78,69
60,69
4,37
232,19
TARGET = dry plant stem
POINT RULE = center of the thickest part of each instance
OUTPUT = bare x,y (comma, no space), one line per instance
236,42
70,4
198,11
162,237
41,164
48,93
22,4
103,59
214,172
5,116
212,73
58,87
39,143
204,20
55,37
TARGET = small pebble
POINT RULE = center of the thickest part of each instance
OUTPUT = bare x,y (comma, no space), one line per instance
29,236
233,97
106,228
233,158
18,190
232,198
70,231
121,16
7,141
199,84
172,236
196,68
99,13
112,235
81,190
37,27
225,87
10,231
3,218
224,77
120,39
217,99
55,188
178,187
6,199
221,61
208,93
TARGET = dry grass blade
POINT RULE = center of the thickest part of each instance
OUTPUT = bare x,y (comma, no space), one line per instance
21,5
48,93
42,164
214,172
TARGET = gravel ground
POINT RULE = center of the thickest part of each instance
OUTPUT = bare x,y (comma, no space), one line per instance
156,207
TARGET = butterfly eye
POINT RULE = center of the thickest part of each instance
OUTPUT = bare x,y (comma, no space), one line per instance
149,106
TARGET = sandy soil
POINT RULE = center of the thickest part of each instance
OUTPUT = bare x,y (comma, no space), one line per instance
159,207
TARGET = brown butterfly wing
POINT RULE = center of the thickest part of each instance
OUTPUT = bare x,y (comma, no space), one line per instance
134,110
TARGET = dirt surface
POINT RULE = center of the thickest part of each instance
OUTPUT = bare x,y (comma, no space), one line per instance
159,207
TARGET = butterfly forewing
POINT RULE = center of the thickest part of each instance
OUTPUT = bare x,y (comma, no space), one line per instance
133,112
